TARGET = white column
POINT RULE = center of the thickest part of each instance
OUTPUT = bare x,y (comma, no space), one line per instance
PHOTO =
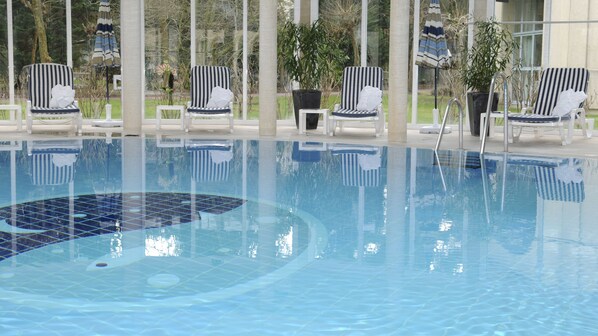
364,33
11,56
546,38
132,65
470,25
267,62
398,242
245,59
296,11
415,77
314,9
490,5
267,196
69,35
133,180
193,46
398,71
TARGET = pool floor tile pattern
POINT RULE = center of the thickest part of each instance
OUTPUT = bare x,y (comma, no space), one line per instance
100,214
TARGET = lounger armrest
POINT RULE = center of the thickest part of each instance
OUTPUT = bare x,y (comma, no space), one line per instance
578,112
527,110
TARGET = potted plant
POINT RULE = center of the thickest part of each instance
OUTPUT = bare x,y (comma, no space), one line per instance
307,54
491,53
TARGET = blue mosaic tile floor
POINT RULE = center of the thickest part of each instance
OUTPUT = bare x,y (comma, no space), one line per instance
32,225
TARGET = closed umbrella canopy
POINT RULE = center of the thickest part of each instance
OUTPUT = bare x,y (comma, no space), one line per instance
106,55
105,52
433,51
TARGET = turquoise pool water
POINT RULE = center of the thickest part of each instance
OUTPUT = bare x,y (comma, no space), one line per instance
210,237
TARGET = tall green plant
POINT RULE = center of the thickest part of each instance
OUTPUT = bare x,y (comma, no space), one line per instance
491,53
307,53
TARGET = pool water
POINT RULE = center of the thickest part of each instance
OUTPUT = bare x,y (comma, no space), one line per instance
200,237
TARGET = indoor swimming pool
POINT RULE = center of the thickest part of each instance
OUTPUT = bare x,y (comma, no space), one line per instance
181,236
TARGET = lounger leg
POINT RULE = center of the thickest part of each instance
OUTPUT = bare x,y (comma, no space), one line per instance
570,127
562,134
538,133
587,125
566,139
332,126
379,125
230,122
79,121
510,133
516,131
187,122
29,123
28,117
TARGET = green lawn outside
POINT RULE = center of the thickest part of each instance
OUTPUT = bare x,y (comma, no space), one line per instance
284,103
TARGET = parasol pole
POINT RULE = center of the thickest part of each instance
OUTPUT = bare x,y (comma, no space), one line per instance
108,106
435,112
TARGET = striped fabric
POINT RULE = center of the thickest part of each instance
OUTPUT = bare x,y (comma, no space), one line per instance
204,169
355,113
45,172
42,78
433,50
49,110
206,110
203,80
105,51
537,118
552,83
354,175
360,164
553,189
354,80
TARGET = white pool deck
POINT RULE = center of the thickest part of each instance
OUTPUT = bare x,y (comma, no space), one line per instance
547,145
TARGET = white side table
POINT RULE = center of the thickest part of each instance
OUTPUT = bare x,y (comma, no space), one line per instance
303,115
15,111
160,108
493,115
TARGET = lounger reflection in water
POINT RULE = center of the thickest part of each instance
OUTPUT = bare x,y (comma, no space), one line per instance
209,159
563,182
53,162
360,164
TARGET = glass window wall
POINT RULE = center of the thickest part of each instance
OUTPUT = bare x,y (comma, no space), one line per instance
4,99
219,41
528,58
167,52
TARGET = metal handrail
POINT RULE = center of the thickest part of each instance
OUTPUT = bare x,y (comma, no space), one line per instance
489,111
444,119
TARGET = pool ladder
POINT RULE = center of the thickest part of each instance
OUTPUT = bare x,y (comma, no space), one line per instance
445,118
489,112
487,119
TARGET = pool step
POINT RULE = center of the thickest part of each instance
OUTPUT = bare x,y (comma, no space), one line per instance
451,159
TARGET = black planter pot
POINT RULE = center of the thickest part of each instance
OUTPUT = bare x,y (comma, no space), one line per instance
307,99
477,103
